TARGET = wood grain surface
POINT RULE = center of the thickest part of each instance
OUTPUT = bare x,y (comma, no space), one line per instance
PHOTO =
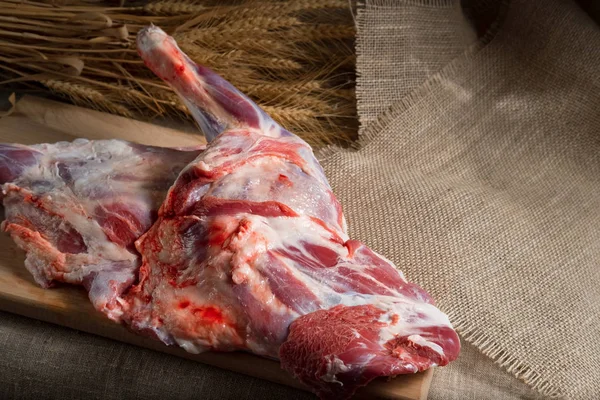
38,120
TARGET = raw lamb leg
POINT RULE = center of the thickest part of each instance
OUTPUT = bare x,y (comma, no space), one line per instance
250,252
77,208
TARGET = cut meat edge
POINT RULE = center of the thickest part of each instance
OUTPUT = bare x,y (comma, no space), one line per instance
338,350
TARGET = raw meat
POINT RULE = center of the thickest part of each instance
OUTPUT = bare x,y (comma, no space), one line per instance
77,208
250,252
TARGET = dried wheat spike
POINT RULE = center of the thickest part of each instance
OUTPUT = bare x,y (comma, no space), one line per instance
274,89
310,33
171,7
262,22
283,8
275,63
285,115
85,95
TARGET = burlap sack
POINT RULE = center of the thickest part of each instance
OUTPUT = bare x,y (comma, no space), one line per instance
483,182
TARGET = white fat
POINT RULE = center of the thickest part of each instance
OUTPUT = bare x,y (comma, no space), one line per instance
191,346
284,232
60,201
334,367
114,315
95,238
354,299
290,233
410,321
385,318
419,340
202,166
241,273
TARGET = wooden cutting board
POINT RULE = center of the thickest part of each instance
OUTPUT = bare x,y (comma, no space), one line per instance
37,120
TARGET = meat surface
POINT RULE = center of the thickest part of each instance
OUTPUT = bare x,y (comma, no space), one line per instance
250,252
77,208
240,246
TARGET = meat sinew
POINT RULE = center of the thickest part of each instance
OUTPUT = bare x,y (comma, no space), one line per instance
250,252
77,208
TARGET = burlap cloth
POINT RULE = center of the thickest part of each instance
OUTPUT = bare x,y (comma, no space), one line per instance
477,172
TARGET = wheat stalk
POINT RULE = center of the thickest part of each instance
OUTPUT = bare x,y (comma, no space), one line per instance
289,114
318,32
270,90
86,96
261,22
168,7
285,8
226,36
291,56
